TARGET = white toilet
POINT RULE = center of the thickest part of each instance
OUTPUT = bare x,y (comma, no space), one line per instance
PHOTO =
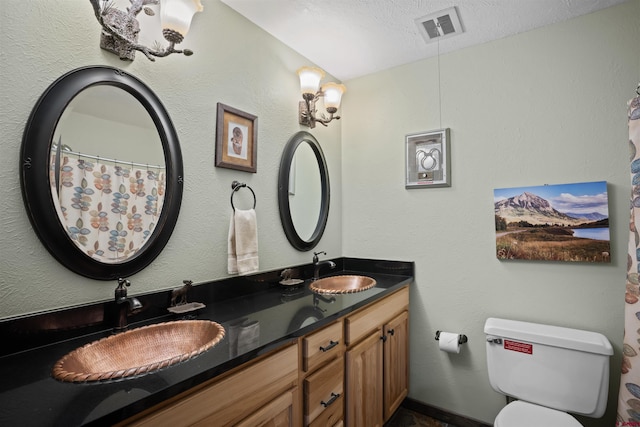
550,370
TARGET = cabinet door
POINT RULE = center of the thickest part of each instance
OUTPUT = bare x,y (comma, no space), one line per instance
279,413
396,363
364,382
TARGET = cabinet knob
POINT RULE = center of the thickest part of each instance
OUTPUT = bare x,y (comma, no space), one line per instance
391,331
383,338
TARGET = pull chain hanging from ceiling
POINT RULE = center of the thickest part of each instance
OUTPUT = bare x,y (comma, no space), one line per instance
439,87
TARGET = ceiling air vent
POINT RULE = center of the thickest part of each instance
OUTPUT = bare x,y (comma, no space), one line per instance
440,25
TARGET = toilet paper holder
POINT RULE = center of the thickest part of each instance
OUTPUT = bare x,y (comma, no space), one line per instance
461,338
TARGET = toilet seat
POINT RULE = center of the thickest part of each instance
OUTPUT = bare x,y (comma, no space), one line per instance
523,414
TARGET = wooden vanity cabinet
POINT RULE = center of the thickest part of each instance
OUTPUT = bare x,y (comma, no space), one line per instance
377,358
352,372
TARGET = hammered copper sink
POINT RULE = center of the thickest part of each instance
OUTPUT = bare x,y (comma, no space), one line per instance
138,351
342,284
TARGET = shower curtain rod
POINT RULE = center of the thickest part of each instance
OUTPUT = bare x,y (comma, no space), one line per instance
105,159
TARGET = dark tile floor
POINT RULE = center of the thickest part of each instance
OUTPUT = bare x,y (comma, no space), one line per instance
407,418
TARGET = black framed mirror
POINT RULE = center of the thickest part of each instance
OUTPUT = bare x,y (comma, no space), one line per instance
303,191
106,124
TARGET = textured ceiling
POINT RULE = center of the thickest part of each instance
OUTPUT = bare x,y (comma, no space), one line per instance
351,38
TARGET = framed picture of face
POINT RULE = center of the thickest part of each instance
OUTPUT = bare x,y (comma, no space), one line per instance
236,139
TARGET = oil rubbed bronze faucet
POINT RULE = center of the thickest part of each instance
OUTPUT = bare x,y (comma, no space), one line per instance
317,264
124,305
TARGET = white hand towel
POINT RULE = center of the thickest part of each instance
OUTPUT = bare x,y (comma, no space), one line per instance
243,242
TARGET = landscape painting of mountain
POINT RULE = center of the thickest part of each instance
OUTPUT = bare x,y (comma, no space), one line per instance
568,222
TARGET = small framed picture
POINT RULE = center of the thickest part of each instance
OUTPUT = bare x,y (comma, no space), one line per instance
428,161
236,139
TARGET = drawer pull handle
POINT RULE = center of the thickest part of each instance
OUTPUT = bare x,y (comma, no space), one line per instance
334,396
330,346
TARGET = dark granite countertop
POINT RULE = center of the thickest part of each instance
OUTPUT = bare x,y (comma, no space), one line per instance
29,396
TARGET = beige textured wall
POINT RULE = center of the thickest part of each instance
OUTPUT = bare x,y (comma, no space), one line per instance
234,63
546,106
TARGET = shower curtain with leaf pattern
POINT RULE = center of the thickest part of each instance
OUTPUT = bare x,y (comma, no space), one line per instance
629,395
109,210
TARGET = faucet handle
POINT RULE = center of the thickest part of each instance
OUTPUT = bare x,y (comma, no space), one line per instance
121,291
123,282
315,255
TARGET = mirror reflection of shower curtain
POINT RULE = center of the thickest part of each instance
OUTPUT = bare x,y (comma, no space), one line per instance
109,210
629,395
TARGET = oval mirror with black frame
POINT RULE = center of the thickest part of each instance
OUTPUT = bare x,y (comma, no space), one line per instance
303,191
99,131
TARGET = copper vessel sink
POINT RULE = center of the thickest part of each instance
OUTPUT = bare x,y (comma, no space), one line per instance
342,284
138,351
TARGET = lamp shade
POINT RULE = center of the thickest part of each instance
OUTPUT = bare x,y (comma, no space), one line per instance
176,15
310,79
332,96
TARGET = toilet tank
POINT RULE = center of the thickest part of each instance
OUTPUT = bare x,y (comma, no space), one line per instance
561,368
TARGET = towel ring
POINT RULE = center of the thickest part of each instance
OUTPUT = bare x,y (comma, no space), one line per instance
235,186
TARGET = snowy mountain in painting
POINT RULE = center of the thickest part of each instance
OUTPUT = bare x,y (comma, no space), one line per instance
532,209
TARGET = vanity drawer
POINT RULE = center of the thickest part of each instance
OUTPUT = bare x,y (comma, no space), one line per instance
226,401
280,412
324,395
322,346
363,322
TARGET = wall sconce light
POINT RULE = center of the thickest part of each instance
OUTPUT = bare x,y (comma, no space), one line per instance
310,86
120,29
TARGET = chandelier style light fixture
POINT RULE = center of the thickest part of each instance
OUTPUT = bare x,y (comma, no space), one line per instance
120,28
331,93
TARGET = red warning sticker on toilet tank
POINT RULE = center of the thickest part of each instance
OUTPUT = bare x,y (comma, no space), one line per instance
521,347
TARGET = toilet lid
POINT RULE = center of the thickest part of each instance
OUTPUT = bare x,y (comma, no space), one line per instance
523,414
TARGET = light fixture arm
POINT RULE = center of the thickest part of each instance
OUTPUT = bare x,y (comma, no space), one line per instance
331,93
124,42
308,111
